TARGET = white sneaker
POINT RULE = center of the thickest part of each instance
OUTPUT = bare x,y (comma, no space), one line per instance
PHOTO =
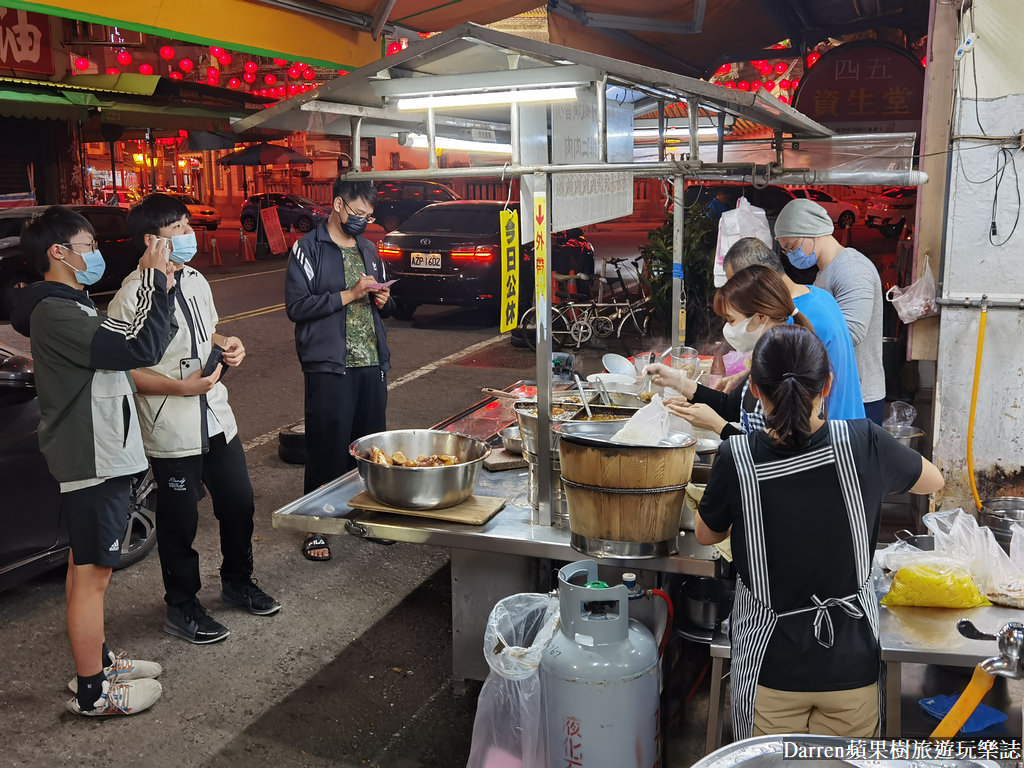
124,670
121,699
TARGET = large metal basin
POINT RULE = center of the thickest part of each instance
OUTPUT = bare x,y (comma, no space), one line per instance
421,487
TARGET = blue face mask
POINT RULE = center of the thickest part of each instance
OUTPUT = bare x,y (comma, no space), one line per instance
94,267
183,248
802,260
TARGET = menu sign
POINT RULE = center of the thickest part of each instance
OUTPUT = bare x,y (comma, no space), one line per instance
864,87
25,41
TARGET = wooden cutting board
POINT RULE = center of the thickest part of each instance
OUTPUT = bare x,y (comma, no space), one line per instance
476,510
500,459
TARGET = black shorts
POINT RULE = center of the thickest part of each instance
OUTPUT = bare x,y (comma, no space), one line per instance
97,520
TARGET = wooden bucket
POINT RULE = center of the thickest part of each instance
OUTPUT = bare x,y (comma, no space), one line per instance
623,500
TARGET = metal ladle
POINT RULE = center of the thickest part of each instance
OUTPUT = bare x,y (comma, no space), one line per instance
583,397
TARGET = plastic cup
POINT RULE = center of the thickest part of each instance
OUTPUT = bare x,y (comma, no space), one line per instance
686,359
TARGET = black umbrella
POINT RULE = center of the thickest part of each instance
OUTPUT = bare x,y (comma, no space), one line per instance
265,154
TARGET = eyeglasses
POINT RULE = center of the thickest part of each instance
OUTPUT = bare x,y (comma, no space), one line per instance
90,246
368,217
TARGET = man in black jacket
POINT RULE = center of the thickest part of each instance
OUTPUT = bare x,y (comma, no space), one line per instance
335,295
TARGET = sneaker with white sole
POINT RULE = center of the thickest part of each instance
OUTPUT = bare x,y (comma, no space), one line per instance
124,670
119,698
195,625
248,595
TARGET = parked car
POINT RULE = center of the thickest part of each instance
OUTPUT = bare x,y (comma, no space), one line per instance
843,214
199,214
398,200
35,536
448,254
890,210
115,244
294,211
122,198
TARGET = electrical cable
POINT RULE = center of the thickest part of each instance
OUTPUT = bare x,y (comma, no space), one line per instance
1009,158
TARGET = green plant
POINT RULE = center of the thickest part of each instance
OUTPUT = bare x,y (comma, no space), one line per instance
699,237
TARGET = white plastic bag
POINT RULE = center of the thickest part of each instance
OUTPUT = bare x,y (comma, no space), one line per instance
651,424
916,300
745,220
508,729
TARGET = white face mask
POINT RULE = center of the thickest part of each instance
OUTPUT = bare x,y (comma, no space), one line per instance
740,337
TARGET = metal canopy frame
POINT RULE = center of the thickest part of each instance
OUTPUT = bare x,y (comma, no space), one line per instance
478,59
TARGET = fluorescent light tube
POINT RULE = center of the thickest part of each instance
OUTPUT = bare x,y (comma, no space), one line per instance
652,133
419,141
487,98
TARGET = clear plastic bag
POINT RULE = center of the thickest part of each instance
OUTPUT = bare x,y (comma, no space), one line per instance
651,424
901,415
745,220
508,729
935,584
916,300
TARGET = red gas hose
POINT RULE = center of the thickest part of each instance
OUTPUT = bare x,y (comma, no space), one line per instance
668,619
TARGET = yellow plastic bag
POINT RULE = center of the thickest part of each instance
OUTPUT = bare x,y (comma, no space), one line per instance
934,586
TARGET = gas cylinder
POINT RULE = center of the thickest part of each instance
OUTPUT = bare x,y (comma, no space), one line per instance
599,678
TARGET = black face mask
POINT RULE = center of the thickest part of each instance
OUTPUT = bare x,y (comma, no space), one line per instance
354,225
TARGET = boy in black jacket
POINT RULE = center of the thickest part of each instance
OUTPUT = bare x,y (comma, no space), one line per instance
89,433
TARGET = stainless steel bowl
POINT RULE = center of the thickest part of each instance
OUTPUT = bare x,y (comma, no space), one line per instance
421,487
706,601
512,440
999,514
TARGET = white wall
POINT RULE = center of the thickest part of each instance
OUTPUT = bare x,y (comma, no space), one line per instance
973,266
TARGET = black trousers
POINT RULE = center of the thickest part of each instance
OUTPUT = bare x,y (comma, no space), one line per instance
340,408
224,472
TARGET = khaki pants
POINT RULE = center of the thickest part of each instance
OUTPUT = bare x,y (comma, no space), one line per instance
852,713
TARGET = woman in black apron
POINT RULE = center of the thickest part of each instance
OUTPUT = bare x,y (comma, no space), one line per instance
802,499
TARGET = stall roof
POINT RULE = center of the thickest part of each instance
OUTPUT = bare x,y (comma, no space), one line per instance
488,58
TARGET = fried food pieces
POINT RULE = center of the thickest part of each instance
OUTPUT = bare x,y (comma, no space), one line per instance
399,459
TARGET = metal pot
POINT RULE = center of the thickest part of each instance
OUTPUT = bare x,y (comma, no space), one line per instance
999,514
909,436
924,542
707,601
421,487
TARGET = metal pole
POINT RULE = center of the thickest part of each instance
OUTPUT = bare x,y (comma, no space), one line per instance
721,136
678,281
431,141
152,165
661,130
356,125
601,91
693,113
969,303
779,159
113,168
513,123
542,278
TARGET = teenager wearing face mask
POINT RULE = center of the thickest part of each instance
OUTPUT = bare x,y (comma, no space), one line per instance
190,435
754,300
804,231
331,295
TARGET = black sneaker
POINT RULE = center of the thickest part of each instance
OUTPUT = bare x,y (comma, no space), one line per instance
248,595
195,625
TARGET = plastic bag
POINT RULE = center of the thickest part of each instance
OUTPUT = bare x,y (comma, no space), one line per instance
745,220
651,424
916,300
934,585
508,729
900,415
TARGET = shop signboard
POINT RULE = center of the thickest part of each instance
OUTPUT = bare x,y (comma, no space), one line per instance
864,87
25,41
272,225
586,198
510,287
540,248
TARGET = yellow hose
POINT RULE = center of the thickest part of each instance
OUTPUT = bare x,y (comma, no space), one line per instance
980,684
974,405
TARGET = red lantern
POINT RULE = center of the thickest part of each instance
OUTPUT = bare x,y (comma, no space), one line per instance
264,92
212,72
212,80
723,70
394,48
342,72
796,83
250,66
113,71
309,74
145,69
270,78
731,84
769,85
780,67
784,84
298,64
124,58
280,62
216,51
294,73
185,65
743,85
755,85
812,58
784,99
249,77
224,59
766,71
293,89
166,53
175,75
924,61
234,82
81,64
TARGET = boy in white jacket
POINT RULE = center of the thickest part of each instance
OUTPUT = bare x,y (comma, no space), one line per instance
190,435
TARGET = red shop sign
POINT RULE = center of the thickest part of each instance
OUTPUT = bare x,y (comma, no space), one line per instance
25,41
864,87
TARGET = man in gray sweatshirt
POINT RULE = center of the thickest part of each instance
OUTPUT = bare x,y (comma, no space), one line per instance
804,231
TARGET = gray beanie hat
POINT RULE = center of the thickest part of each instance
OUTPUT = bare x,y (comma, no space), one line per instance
803,218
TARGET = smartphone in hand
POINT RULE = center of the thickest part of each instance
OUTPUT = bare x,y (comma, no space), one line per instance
188,366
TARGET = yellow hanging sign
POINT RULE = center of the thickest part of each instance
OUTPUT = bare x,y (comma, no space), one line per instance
510,282
540,246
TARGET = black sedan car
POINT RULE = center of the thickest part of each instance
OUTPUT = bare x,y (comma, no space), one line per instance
293,211
115,244
398,200
35,536
447,253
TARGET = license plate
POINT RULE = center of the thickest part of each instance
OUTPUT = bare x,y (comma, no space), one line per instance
425,260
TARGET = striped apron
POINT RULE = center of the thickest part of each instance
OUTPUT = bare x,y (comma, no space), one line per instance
753,619
750,422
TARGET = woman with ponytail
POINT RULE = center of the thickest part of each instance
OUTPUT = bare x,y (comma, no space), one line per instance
802,500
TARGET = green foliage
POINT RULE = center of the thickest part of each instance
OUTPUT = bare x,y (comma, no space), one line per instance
700,233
